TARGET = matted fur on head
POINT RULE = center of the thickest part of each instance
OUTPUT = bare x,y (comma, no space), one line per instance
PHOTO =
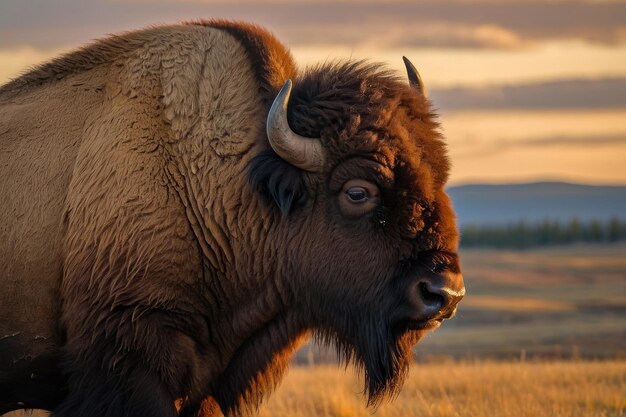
360,109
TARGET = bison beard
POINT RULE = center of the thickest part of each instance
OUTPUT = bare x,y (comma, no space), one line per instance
381,351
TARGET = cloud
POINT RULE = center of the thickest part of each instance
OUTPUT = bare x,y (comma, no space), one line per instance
577,141
382,33
563,94
458,24
562,142
536,134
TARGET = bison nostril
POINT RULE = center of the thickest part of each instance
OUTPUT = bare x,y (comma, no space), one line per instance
435,296
430,298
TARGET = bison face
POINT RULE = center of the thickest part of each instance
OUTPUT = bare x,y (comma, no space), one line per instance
369,233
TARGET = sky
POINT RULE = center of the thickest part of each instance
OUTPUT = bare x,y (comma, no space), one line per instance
526,90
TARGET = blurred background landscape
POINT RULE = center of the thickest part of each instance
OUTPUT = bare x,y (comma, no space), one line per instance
532,100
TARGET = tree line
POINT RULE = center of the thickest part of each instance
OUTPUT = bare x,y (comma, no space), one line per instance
549,232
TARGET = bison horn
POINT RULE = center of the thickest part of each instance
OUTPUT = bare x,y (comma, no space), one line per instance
302,152
414,76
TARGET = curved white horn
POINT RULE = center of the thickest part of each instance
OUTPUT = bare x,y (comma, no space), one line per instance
414,76
302,152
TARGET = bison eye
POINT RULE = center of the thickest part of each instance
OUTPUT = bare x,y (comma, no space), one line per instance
358,197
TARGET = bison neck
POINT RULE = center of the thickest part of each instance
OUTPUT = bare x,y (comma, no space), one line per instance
253,338
259,363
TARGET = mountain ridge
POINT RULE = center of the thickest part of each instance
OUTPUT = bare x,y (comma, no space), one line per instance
481,203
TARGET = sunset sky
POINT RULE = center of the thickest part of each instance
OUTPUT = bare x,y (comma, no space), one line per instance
526,89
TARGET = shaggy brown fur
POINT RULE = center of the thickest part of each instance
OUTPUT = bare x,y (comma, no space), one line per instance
190,260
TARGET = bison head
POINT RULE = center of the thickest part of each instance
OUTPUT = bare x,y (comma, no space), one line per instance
367,236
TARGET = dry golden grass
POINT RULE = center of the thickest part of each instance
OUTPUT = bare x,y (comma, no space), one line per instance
481,389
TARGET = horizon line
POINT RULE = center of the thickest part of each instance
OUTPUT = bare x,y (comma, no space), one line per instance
534,182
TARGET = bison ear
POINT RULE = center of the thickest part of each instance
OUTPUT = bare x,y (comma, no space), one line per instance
277,181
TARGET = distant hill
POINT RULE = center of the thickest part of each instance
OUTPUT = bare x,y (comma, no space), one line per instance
482,204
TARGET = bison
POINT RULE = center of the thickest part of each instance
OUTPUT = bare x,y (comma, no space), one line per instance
181,208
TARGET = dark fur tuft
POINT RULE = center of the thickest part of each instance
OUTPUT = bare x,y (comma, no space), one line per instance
331,95
278,181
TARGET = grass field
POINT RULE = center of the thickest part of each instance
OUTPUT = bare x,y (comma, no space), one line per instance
478,389
457,389
565,302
